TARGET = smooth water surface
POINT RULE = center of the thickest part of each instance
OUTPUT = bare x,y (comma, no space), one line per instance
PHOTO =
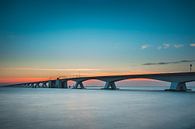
42,108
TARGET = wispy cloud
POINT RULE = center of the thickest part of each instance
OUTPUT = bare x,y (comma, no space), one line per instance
164,46
192,45
171,62
178,45
144,46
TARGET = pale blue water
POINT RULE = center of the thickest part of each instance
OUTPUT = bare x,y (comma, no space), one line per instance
137,108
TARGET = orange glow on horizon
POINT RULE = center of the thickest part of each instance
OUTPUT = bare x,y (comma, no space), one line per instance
20,80
33,74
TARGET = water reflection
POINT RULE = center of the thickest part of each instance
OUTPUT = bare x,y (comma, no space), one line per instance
96,109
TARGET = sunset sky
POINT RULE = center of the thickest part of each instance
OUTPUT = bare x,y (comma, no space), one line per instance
43,39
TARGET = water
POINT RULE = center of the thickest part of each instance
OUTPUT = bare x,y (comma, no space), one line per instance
136,108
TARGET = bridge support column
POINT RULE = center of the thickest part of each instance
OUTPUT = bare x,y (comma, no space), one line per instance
36,85
110,86
31,85
58,84
28,85
44,85
79,85
51,84
64,84
39,86
178,86
24,85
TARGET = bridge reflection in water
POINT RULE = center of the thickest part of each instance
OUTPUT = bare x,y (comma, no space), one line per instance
178,81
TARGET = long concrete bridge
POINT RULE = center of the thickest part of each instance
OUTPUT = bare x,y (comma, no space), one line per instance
178,81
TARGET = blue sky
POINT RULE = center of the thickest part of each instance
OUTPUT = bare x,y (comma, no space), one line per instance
105,36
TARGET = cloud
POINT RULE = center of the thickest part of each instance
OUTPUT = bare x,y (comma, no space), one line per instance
192,44
178,45
171,62
164,46
145,46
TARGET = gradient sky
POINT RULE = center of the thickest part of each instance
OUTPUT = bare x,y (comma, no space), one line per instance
41,39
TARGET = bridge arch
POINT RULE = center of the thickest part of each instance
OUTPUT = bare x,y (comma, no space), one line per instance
91,82
177,83
141,82
191,84
71,83
81,83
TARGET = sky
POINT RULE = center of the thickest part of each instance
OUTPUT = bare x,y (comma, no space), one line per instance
44,39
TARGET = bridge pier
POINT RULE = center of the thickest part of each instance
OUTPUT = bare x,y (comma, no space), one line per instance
44,85
25,85
178,86
58,84
36,85
110,86
79,85
33,85
64,84
30,85
61,84
51,84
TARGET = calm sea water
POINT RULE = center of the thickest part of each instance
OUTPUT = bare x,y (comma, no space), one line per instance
134,108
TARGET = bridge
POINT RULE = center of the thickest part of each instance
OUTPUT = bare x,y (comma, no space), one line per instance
178,81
